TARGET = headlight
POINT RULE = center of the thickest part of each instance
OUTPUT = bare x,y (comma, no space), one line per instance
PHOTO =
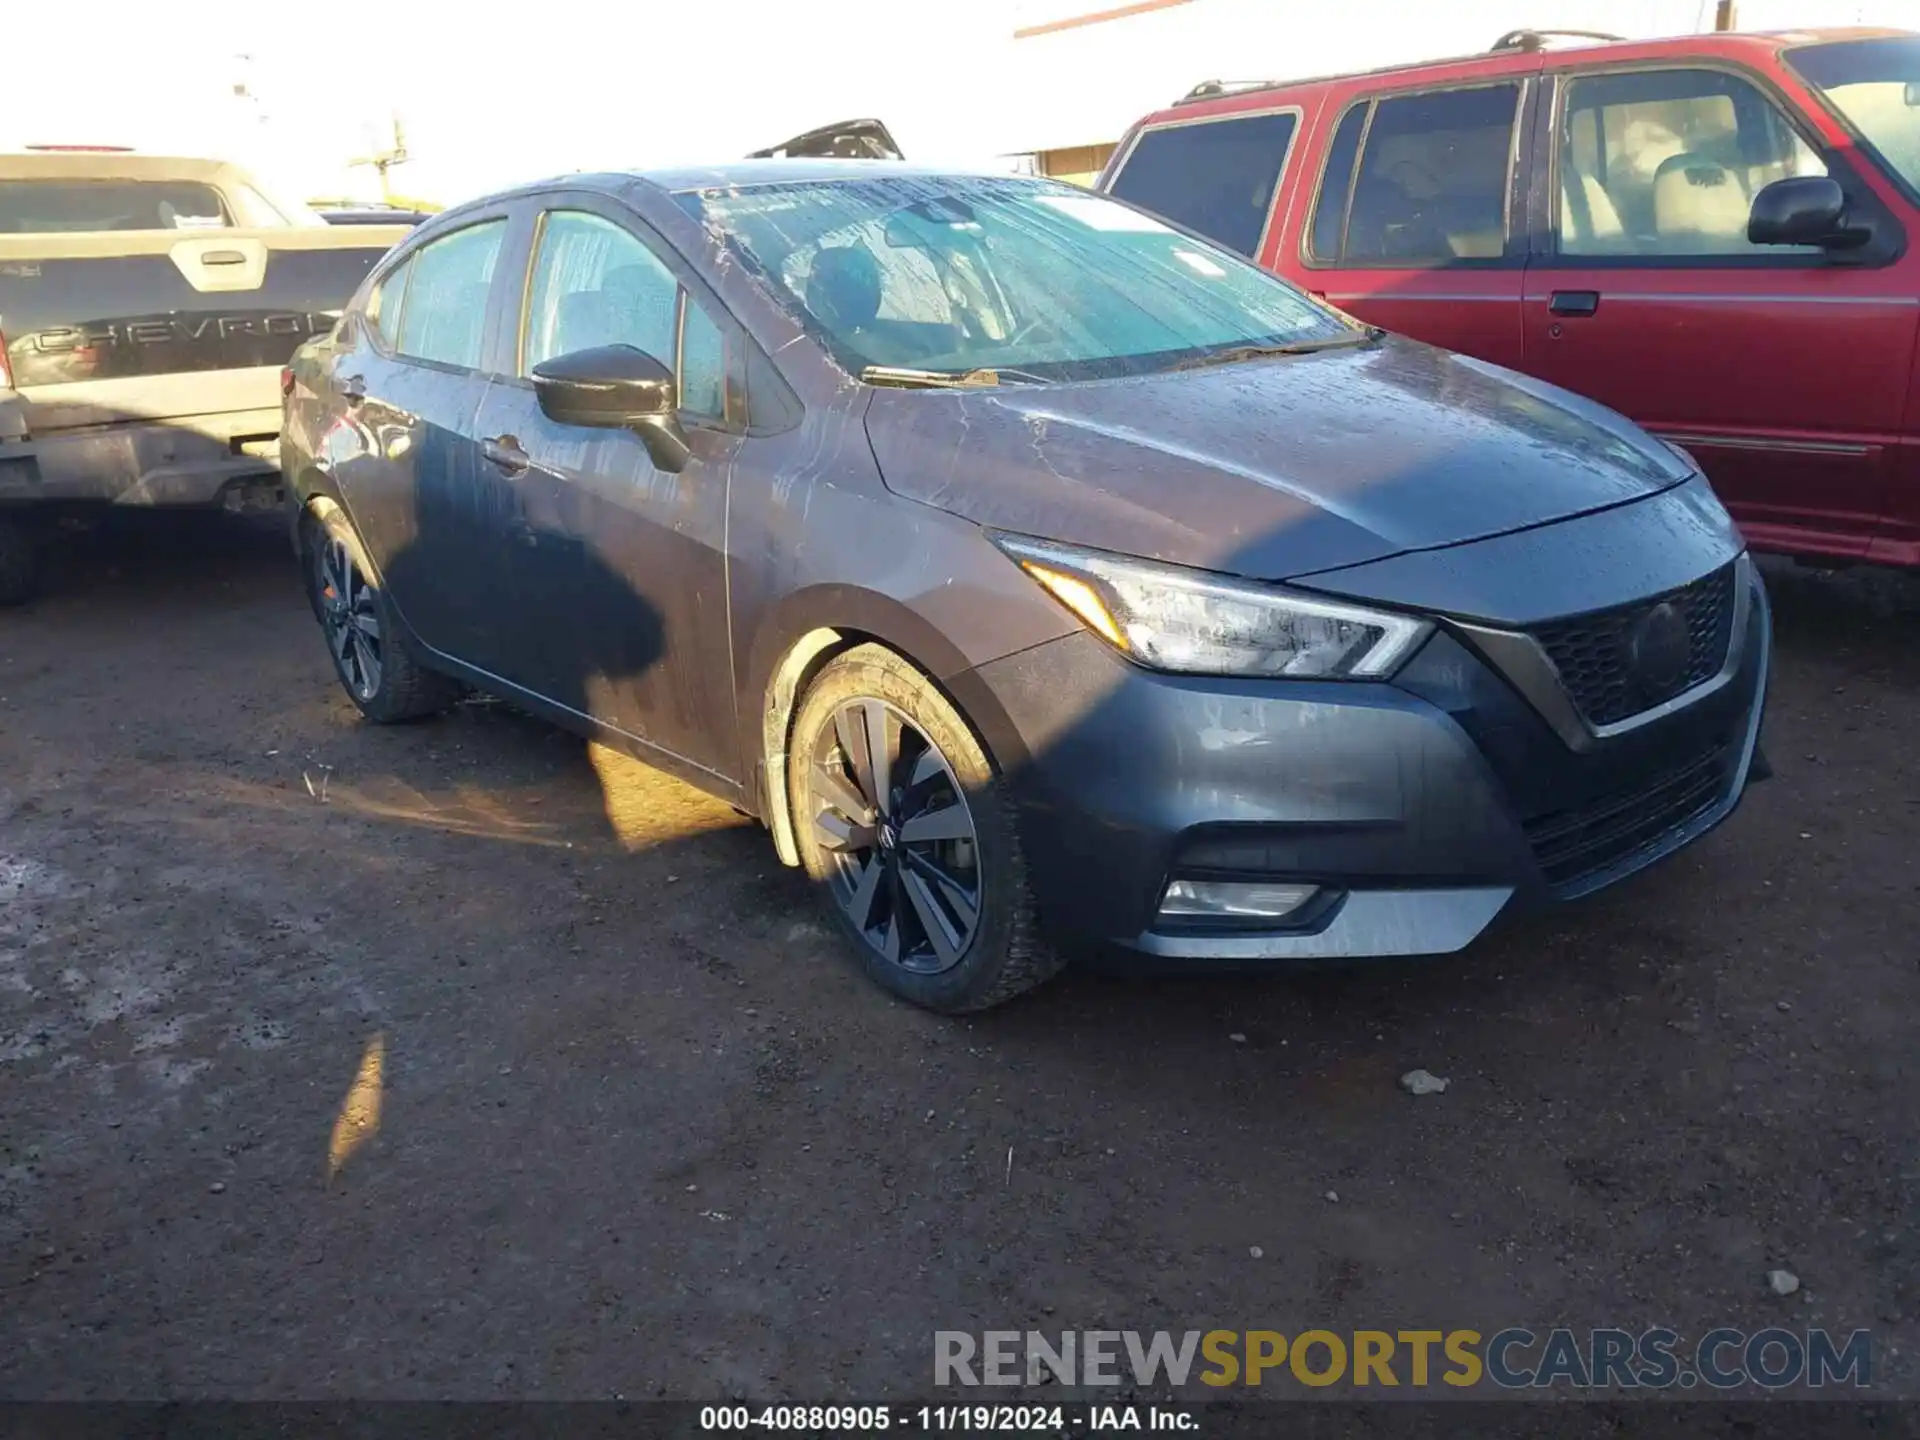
1167,617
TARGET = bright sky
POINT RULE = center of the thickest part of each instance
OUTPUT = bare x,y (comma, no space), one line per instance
493,94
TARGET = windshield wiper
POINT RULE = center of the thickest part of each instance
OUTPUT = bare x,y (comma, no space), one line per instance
1234,353
907,378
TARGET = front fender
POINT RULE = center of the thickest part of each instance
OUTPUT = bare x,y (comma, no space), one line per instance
807,629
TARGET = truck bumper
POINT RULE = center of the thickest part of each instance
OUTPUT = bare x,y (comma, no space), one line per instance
192,463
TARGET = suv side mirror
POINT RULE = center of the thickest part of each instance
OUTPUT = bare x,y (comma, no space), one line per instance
1804,210
616,387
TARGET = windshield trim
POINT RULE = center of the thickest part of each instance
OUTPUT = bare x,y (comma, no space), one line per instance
1910,189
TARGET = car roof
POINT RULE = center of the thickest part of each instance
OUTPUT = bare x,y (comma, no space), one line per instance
735,174
804,170
1203,101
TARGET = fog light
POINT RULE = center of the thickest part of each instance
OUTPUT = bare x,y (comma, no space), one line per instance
1233,900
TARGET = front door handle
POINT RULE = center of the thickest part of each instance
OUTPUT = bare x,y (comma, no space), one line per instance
1574,302
353,388
505,454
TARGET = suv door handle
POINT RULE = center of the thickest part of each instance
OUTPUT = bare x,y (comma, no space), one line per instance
353,388
504,452
1574,302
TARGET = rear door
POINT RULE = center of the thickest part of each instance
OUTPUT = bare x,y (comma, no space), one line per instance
1214,174
427,507
618,588
1418,217
1785,372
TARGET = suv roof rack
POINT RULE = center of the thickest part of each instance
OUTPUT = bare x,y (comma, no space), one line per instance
1537,39
1521,40
1212,89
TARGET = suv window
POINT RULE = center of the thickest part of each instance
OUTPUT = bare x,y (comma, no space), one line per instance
445,315
1215,177
596,283
1667,162
1336,183
1432,183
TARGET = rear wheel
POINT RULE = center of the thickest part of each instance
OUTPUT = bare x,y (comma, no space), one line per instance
372,653
905,827
18,563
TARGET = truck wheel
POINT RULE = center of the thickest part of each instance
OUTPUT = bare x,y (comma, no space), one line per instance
18,563
372,653
908,832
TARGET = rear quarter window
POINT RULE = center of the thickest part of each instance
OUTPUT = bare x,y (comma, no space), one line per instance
383,303
1215,177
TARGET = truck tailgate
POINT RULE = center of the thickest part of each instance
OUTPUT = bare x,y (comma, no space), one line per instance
110,327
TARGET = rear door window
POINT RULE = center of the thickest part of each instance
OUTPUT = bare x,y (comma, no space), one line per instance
1336,183
445,316
1432,184
1215,177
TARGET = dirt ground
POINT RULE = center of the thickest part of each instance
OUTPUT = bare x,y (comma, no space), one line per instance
460,1060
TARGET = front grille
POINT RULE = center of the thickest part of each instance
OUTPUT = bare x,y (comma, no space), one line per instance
1571,845
1594,654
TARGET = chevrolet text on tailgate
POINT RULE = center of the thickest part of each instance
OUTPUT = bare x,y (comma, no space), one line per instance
147,307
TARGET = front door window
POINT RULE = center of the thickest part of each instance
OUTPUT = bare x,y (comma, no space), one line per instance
1667,162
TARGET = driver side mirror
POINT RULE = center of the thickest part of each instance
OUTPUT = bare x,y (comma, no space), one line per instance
1804,210
616,387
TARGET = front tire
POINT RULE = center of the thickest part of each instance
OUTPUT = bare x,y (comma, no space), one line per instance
908,832
373,655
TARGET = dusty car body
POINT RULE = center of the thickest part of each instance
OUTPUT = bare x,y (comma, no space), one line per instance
1249,634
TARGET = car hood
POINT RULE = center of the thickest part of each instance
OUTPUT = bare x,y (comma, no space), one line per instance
1270,468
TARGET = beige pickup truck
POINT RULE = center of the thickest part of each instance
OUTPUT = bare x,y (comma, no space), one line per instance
147,305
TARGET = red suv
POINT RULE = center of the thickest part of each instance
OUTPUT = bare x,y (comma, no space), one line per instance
1710,234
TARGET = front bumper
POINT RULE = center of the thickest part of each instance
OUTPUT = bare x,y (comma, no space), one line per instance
1423,808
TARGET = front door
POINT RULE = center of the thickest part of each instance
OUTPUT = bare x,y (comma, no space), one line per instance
618,590
1416,224
1784,372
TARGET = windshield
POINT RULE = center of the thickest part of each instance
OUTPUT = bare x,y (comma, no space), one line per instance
1875,85
959,274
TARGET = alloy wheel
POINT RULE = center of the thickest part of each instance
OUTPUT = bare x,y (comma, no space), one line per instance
350,617
893,819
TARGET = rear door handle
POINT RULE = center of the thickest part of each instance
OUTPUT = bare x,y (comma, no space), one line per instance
504,452
353,388
1574,302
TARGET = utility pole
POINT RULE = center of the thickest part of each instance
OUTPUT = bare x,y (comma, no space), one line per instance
383,161
1723,16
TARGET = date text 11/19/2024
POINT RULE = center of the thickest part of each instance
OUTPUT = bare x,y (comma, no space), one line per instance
948,1419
